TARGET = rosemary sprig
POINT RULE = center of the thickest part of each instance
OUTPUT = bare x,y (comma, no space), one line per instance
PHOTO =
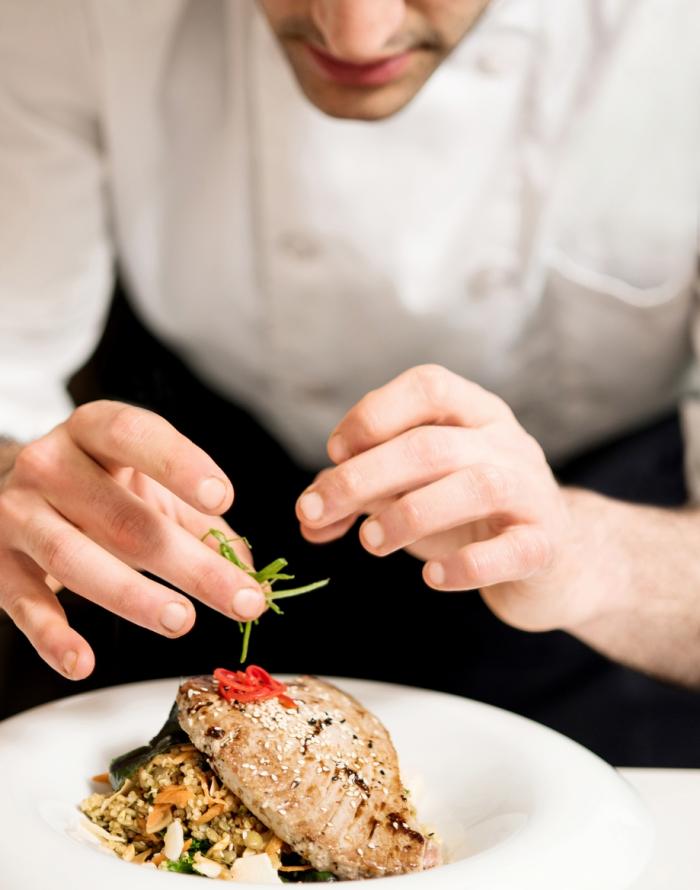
266,577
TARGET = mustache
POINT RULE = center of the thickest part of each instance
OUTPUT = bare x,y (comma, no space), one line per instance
301,28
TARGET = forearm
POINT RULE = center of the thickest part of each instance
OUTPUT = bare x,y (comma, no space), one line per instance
641,567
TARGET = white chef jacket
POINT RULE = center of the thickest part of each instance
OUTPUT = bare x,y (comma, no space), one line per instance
529,220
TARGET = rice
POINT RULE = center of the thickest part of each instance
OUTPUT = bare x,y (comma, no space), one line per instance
179,785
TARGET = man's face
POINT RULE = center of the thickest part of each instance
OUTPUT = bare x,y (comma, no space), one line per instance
366,59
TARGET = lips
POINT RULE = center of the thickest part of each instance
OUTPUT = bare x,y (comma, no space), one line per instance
369,74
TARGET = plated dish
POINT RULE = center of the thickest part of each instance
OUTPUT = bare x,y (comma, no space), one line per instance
514,804
254,779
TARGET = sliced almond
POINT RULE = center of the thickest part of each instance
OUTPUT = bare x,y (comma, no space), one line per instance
129,853
206,867
179,795
100,832
210,814
140,858
174,840
159,818
187,845
102,778
157,859
256,869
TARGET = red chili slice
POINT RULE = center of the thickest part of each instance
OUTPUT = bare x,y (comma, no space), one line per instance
255,684
286,701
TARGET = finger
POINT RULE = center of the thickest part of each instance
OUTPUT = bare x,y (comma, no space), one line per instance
514,555
443,543
411,460
199,525
38,614
330,532
123,435
194,521
474,492
123,524
338,529
426,395
82,566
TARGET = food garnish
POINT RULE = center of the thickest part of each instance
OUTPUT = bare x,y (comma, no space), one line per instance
238,787
253,684
185,863
266,577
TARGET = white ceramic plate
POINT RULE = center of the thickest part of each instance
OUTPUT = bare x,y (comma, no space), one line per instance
517,806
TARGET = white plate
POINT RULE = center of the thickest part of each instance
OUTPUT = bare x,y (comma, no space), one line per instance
518,806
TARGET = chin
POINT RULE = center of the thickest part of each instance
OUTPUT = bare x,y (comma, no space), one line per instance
357,104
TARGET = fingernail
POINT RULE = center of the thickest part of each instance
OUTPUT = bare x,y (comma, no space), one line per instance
70,659
248,603
436,572
338,450
174,616
373,533
311,505
211,492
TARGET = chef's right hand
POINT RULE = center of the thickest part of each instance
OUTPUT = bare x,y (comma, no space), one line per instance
114,489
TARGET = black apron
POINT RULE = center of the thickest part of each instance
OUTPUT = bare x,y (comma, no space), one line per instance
371,622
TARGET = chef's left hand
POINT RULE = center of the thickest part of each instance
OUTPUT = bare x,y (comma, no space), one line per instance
444,470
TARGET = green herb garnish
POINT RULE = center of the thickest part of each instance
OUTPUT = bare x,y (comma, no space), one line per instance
266,577
308,877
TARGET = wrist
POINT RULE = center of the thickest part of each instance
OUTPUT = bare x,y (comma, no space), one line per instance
596,570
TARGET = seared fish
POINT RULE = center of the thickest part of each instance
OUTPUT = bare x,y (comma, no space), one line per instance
323,776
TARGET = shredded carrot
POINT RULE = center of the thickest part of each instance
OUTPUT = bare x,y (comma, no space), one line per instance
174,794
210,814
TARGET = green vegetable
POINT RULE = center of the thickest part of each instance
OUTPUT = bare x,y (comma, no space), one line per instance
169,735
184,864
308,877
266,577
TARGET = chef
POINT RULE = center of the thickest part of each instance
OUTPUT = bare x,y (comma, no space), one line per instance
406,257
